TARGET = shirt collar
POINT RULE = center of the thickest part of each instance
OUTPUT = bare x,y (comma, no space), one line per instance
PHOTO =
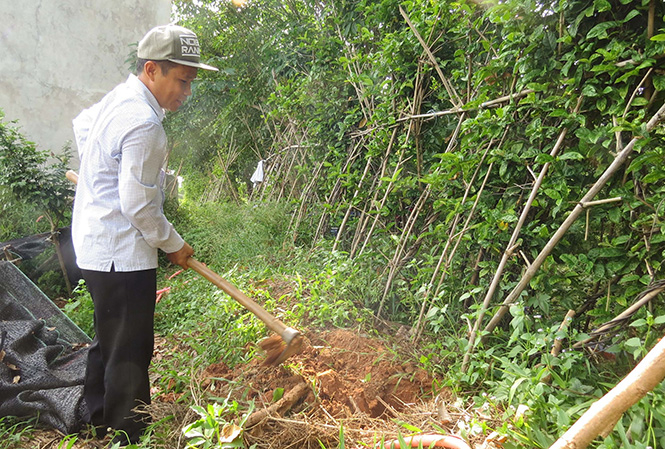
134,82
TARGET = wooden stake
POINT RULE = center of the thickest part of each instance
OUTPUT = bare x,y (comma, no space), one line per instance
558,342
386,193
395,263
452,234
370,204
556,348
304,200
334,193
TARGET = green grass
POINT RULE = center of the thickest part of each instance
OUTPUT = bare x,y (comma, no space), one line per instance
229,234
15,433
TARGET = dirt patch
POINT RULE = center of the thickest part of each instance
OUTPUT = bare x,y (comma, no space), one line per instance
367,386
354,379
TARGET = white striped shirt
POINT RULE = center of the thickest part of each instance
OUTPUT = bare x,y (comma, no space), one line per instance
118,218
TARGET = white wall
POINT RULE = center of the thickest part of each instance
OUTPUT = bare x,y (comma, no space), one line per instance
59,57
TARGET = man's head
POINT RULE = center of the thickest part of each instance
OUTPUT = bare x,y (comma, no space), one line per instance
172,43
168,61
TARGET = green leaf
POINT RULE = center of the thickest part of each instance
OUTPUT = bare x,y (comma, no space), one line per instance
514,387
655,176
600,31
629,278
409,427
614,214
277,394
606,252
631,15
620,240
552,193
544,158
634,342
658,238
659,82
601,103
589,90
602,5
571,155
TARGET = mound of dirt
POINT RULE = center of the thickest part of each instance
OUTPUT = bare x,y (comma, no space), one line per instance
352,379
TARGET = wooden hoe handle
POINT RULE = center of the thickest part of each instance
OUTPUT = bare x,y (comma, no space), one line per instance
273,323
72,176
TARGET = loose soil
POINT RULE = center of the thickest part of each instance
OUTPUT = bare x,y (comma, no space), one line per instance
354,381
369,386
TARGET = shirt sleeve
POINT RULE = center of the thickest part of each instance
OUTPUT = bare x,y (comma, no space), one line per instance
82,124
142,156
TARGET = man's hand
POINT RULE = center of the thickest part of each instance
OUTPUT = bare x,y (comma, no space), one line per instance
180,257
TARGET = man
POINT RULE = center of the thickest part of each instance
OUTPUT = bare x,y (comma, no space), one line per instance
118,224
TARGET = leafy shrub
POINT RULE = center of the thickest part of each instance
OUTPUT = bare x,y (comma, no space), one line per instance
34,176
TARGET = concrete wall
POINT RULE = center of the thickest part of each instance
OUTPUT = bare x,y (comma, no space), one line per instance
59,57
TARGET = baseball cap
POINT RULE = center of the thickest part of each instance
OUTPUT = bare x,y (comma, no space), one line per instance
172,43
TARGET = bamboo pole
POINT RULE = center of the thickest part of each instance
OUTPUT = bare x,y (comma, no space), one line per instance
360,228
395,264
454,98
375,188
603,415
335,192
271,170
232,155
297,218
558,342
574,214
511,244
648,89
556,347
417,99
464,229
303,161
285,176
363,100
419,323
435,114
510,247
342,226
389,187
638,89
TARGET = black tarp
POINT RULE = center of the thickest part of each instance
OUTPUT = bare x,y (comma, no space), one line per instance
26,248
43,355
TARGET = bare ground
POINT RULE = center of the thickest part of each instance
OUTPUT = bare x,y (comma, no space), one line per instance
363,384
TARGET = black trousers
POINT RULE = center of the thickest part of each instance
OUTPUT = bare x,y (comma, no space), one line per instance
116,379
